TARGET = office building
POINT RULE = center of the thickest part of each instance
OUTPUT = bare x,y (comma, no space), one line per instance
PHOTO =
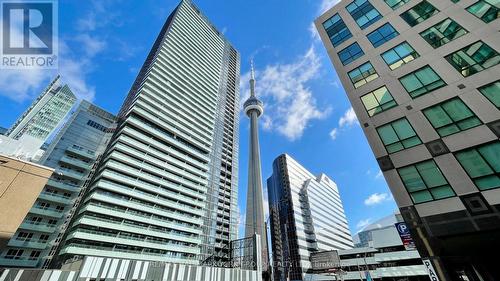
165,188
20,185
254,221
306,216
384,256
422,77
72,154
38,122
45,113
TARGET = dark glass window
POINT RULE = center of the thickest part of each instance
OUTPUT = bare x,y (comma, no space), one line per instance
425,182
399,55
336,30
394,4
486,10
474,58
443,32
362,74
419,13
350,53
482,164
398,135
451,116
363,13
492,92
378,101
382,34
421,81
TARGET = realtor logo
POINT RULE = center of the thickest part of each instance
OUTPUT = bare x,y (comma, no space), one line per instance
29,34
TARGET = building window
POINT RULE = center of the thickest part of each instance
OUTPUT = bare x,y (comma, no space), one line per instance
363,13
44,238
34,255
425,182
419,13
398,135
378,101
14,254
337,30
486,10
394,4
350,53
451,117
421,81
399,55
492,92
473,58
482,164
382,34
362,75
24,236
442,33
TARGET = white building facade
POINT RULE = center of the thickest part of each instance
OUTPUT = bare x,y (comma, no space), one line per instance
306,216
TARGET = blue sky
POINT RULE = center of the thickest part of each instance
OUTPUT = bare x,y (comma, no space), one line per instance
104,43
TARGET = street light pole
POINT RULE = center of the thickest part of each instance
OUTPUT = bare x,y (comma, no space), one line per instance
359,270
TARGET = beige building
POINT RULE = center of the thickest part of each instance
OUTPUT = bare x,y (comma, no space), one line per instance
423,79
20,184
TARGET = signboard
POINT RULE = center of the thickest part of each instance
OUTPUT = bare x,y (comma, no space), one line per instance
325,260
430,269
404,233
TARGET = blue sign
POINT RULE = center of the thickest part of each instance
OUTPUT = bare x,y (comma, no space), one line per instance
402,228
404,233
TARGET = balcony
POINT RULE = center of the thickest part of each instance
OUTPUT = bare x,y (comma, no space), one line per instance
17,263
76,162
81,152
46,212
40,227
71,174
55,198
38,244
63,186
110,224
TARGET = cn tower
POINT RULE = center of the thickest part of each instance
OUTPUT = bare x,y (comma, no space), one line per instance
255,208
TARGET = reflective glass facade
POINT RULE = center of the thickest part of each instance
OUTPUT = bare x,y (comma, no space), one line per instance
72,153
45,113
306,215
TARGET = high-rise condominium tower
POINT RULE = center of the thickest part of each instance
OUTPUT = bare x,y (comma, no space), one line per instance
255,223
45,113
306,216
25,138
166,186
72,153
423,79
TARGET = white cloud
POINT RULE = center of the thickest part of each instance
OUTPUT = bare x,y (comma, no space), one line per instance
314,32
241,224
334,133
346,121
267,122
379,175
283,87
326,5
90,44
377,198
363,223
